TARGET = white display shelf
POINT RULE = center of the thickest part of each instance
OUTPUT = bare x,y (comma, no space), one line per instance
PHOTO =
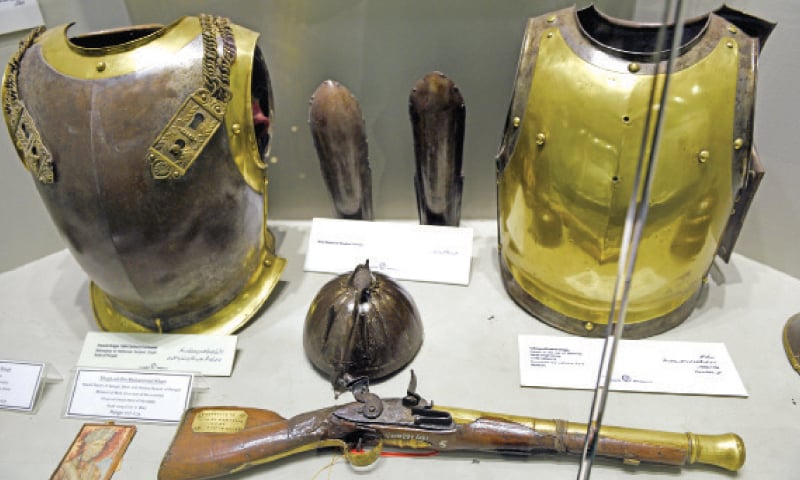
468,359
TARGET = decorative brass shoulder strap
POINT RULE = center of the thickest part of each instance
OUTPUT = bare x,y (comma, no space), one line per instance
25,135
201,114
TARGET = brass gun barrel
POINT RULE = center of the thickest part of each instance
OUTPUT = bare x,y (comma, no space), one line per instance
631,445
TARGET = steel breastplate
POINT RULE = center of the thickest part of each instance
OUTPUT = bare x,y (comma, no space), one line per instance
158,188
567,164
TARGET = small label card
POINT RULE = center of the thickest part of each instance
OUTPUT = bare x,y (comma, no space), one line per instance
19,384
19,15
692,368
209,355
403,251
129,395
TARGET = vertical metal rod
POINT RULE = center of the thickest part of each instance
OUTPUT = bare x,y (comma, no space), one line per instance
632,234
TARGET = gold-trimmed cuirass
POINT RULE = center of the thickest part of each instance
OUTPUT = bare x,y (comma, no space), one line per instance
567,164
146,145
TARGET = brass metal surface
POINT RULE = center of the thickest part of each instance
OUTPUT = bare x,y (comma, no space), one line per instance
219,421
565,178
791,341
144,50
724,450
185,136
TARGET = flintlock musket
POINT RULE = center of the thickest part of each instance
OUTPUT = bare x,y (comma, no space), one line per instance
215,441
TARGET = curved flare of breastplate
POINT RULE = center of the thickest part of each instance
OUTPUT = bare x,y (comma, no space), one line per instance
157,136
568,159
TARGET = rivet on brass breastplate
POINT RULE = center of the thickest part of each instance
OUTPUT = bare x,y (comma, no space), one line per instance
589,326
703,156
100,66
236,128
738,144
732,29
551,19
633,67
540,139
516,121
550,35
729,44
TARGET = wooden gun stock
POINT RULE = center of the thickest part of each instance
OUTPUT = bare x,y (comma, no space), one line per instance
211,442
215,441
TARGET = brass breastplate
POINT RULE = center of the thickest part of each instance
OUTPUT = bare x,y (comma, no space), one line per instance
567,166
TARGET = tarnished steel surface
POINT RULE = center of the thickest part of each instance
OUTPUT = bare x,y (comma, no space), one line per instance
437,112
340,139
162,254
362,324
565,167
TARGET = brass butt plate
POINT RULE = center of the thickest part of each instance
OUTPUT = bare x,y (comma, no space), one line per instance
791,340
225,321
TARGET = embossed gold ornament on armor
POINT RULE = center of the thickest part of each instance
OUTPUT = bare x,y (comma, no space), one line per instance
567,161
147,145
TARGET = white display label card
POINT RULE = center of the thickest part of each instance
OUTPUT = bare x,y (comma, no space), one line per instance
19,15
403,251
209,355
692,368
130,395
19,384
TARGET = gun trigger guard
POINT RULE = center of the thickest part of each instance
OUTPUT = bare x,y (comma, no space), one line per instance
362,459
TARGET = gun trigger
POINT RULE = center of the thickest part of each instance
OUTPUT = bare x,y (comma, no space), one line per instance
363,458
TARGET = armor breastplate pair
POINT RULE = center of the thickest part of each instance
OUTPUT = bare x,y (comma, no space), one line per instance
567,163
147,145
